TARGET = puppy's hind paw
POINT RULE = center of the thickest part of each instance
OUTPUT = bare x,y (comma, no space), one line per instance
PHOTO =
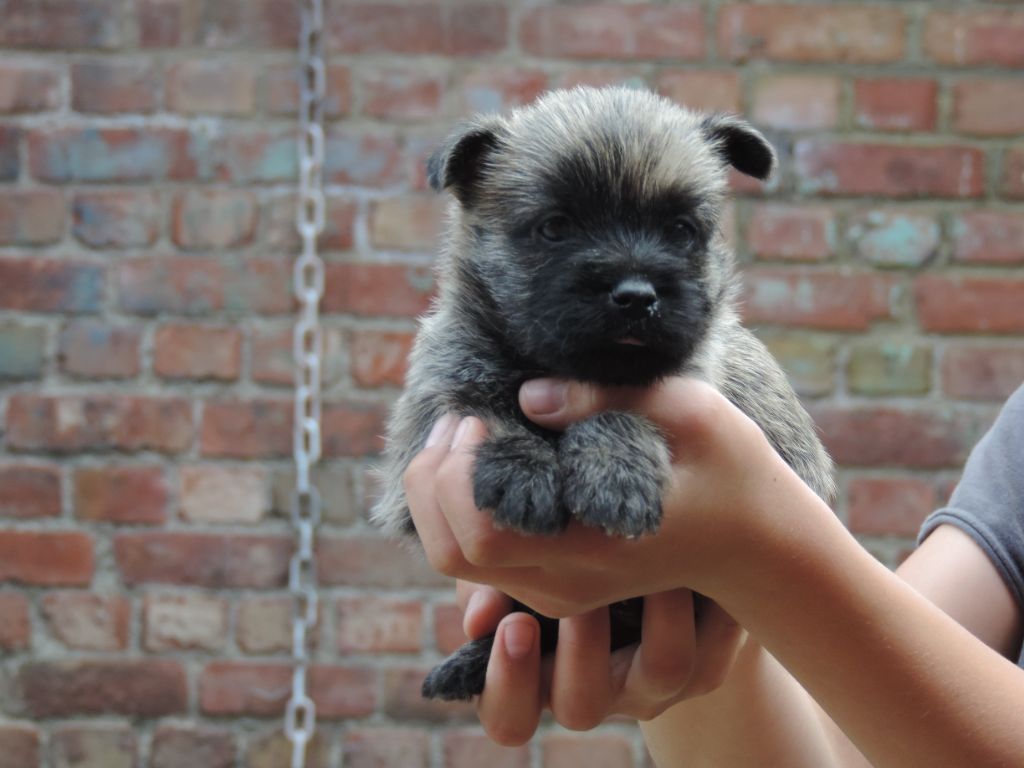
460,677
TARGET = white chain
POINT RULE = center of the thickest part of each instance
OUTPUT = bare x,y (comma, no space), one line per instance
307,346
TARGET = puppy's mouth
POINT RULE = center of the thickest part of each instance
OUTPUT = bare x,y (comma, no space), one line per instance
631,341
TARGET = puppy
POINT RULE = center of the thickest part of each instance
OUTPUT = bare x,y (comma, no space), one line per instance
583,241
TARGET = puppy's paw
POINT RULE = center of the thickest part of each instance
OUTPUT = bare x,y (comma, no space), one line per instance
614,470
516,477
460,677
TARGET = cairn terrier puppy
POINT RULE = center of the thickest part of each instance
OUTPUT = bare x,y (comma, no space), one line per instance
583,241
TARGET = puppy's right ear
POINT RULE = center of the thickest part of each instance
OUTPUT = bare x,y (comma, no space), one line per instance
458,162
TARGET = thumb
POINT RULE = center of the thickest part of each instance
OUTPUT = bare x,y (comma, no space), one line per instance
557,403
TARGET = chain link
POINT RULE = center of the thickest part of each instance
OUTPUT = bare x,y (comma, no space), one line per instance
307,347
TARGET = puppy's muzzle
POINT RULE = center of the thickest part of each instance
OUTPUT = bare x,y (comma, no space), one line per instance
635,298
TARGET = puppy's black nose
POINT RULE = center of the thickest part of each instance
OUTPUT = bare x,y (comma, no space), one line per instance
635,297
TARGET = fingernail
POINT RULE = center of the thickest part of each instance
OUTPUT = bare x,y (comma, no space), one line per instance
463,426
519,637
441,429
544,396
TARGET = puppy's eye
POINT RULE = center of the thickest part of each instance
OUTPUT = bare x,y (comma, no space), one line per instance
555,228
684,228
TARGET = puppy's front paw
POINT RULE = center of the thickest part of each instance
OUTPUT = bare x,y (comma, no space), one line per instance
516,477
614,469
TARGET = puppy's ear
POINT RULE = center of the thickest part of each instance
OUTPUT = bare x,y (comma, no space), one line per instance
741,145
458,162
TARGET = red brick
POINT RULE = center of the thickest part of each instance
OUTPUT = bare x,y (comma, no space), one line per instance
28,88
496,89
228,688
601,751
378,290
370,624
975,37
197,352
31,216
19,745
373,561
264,625
46,558
402,94
379,358
204,219
606,31
94,350
826,300
50,285
353,427
987,107
830,167
149,688
919,438
982,373
334,479
15,625
367,160
110,86
281,90
57,24
709,91
1013,176
895,104
247,429
797,102
798,233
116,218
889,506
71,423
112,154
250,24
472,29
10,152
121,494
216,561
404,701
381,747
463,747
187,746
272,360
448,634
272,750
213,493
464,30
84,621
811,33
894,237
245,156
212,86
278,217
969,304
989,237
191,621
28,492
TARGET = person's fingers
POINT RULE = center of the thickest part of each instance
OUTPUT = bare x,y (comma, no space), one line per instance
719,639
580,685
510,705
482,607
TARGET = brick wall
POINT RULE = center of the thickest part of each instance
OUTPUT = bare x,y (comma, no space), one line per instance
146,165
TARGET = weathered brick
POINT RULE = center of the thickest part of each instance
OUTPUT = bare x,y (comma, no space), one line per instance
205,219
274,749
281,90
212,86
149,688
247,429
607,31
969,304
496,89
448,634
190,621
15,627
112,154
403,700
255,157
264,625
28,88
50,285
889,506
10,149
1013,174
85,621
212,493
31,216
116,218
28,492
57,24
379,358
94,350
402,94
22,351
111,86
893,238
407,223
975,36
19,746
796,102
370,624
464,748
470,29
889,368
379,747
373,561
987,107
377,290
71,423
811,33
46,558
364,160
807,359
278,224
186,746
121,494
353,427
797,233
473,29
197,352
895,103
986,372
831,167
989,237
825,300
705,90
273,360
600,751
336,487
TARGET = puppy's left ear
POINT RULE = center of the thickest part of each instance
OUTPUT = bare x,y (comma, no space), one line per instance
460,161
741,145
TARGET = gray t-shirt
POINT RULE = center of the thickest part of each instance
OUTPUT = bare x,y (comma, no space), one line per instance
988,503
